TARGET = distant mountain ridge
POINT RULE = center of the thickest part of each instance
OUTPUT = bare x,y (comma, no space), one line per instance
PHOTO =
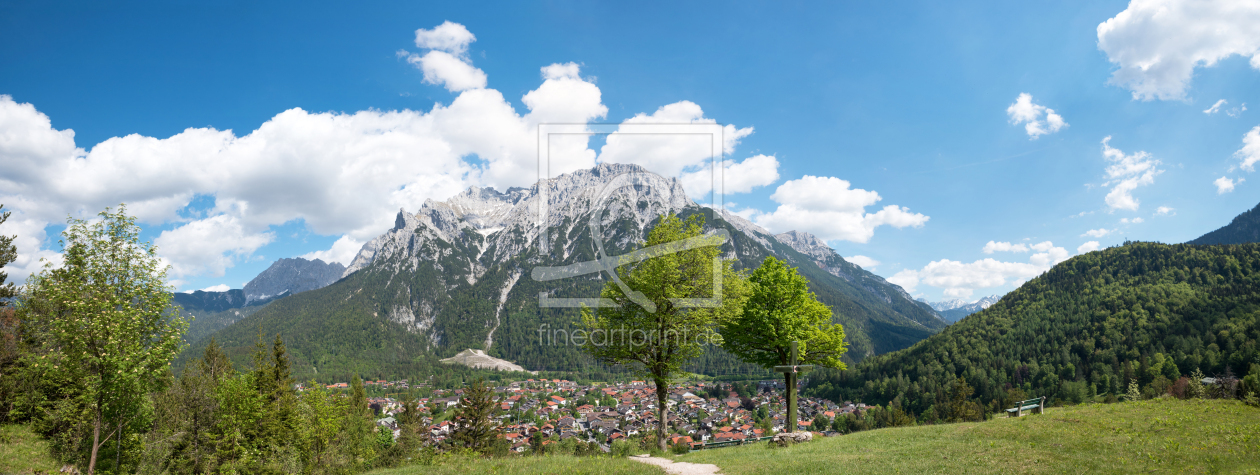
292,276
1243,229
216,310
455,275
955,309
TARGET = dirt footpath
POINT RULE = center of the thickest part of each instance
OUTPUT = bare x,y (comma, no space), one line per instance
677,468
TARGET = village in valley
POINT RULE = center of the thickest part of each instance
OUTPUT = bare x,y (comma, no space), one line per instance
699,412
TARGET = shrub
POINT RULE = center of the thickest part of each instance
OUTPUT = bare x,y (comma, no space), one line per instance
1134,394
1195,388
680,448
621,448
1179,388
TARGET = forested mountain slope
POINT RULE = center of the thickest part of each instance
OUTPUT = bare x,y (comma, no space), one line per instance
458,275
1244,228
1085,327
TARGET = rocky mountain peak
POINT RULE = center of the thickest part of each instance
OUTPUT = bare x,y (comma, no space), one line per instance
806,243
510,220
292,276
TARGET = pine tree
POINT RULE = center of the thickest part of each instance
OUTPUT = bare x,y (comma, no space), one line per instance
475,428
8,253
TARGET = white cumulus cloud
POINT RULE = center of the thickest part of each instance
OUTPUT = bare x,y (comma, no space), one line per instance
1097,233
450,37
991,247
863,261
1215,107
829,209
1087,247
959,280
446,70
342,251
1225,185
1165,211
1157,44
217,288
1249,154
208,246
447,63
344,174
1126,173
1024,111
659,144
742,177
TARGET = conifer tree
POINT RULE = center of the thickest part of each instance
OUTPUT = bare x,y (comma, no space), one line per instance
475,428
8,253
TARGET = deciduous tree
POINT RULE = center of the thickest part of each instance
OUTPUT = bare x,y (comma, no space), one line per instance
107,324
780,309
649,327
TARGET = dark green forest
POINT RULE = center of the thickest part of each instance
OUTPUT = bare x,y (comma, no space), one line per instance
1145,312
1244,228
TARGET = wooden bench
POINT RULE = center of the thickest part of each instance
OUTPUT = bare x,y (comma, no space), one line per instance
1035,406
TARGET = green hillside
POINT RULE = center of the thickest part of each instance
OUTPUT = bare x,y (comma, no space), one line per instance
1243,229
1156,436
1145,311
354,326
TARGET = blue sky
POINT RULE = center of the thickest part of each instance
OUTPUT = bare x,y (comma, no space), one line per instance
226,126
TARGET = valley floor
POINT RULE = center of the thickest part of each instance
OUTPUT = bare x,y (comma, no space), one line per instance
558,464
1156,436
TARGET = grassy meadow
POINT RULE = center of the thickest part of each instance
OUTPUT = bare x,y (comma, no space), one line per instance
558,464
1155,436
23,451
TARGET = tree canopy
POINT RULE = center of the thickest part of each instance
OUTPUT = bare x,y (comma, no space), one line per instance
780,309
107,330
651,328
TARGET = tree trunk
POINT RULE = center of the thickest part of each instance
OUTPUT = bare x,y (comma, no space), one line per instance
662,395
96,440
118,449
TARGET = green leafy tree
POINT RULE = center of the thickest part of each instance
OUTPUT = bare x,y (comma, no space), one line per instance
648,328
475,426
780,309
106,319
322,416
820,423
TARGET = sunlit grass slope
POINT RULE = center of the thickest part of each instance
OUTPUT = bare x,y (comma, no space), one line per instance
23,451
560,464
1157,436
